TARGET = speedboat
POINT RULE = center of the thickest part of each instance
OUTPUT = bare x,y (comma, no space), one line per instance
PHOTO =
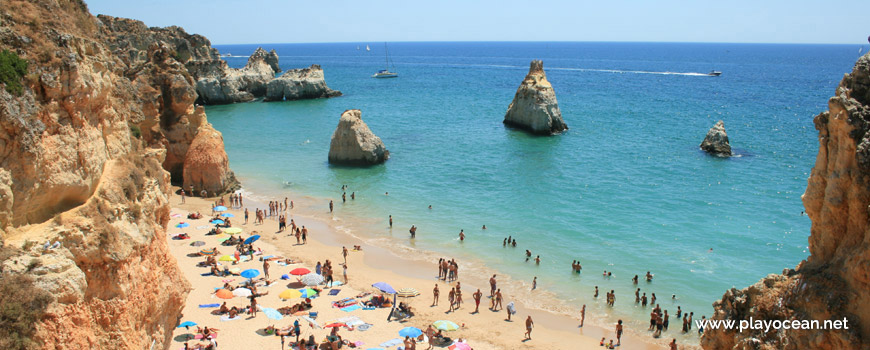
714,73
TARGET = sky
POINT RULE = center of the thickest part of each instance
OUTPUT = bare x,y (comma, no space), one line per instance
287,21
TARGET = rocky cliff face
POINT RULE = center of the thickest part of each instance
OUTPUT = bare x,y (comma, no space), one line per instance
353,143
833,283
716,141
87,152
534,107
298,84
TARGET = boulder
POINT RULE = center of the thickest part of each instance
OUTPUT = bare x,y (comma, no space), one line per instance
353,143
297,84
716,142
206,166
534,107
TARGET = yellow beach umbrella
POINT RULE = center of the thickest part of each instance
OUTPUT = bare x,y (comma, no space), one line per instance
233,230
290,294
227,258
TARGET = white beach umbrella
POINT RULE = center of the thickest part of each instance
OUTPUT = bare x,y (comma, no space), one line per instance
312,279
242,292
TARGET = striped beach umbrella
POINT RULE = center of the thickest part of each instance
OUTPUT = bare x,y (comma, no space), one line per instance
209,252
445,325
408,292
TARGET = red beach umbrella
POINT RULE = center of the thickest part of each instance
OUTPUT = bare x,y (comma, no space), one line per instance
337,324
299,271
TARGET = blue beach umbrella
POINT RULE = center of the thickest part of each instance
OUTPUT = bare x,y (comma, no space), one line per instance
220,208
182,225
252,239
384,287
228,215
186,324
217,222
412,332
250,273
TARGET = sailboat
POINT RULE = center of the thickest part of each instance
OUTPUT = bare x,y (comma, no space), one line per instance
367,48
357,47
385,73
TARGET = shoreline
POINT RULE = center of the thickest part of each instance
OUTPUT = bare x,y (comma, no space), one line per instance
327,237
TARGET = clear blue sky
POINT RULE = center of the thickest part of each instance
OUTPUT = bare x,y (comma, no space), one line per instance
287,21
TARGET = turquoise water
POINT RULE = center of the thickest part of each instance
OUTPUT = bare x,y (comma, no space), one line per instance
624,190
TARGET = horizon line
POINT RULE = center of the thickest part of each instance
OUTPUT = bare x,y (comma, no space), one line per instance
548,41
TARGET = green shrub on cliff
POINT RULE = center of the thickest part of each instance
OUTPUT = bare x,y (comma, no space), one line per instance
12,68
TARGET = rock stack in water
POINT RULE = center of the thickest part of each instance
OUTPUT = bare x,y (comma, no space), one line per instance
353,143
534,107
716,142
298,84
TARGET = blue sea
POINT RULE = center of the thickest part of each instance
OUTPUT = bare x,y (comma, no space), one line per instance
625,190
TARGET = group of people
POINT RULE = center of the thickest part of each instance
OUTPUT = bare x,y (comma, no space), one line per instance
448,270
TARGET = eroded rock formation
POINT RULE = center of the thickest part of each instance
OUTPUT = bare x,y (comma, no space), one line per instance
716,141
534,107
298,84
353,143
87,153
833,283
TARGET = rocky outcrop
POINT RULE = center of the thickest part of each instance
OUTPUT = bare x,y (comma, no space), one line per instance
206,163
105,122
833,283
716,141
353,143
216,83
298,84
534,107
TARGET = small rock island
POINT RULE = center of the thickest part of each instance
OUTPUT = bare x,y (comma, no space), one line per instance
353,143
534,107
716,142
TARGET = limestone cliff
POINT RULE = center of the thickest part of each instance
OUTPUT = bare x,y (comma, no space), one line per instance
353,143
297,84
833,283
716,141
87,153
534,107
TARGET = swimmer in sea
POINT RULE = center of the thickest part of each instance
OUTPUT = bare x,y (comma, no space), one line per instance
528,255
538,260
483,228
430,207
462,235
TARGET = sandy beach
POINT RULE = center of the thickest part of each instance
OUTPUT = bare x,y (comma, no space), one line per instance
484,330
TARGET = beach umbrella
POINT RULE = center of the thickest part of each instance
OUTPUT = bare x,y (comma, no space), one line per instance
182,225
336,324
445,325
217,222
224,294
242,292
250,273
198,244
227,258
228,215
384,287
299,271
412,332
308,292
220,208
273,314
186,324
459,346
235,270
209,252
252,239
312,279
290,294
233,230
408,292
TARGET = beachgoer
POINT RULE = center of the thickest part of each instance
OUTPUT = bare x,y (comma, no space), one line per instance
451,298
596,292
435,294
483,228
498,299
673,344
266,268
461,235
619,333
391,221
344,253
535,283
182,196
476,297
413,231
529,325
582,315
344,197
330,206
353,195
492,286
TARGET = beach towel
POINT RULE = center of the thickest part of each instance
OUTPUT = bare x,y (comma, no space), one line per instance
391,342
210,336
225,318
203,306
334,291
368,308
351,308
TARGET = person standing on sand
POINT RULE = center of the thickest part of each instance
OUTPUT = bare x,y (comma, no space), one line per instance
344,253
391,221
582,315
476,297
253,306
618,333
451,298
344,272
498,299
529,325
330,206
344,197
304,235
492,286
182,196
435,294
266,268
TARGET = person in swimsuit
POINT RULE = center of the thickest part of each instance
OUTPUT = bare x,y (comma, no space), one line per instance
435,294
477,295
619,333
529,325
